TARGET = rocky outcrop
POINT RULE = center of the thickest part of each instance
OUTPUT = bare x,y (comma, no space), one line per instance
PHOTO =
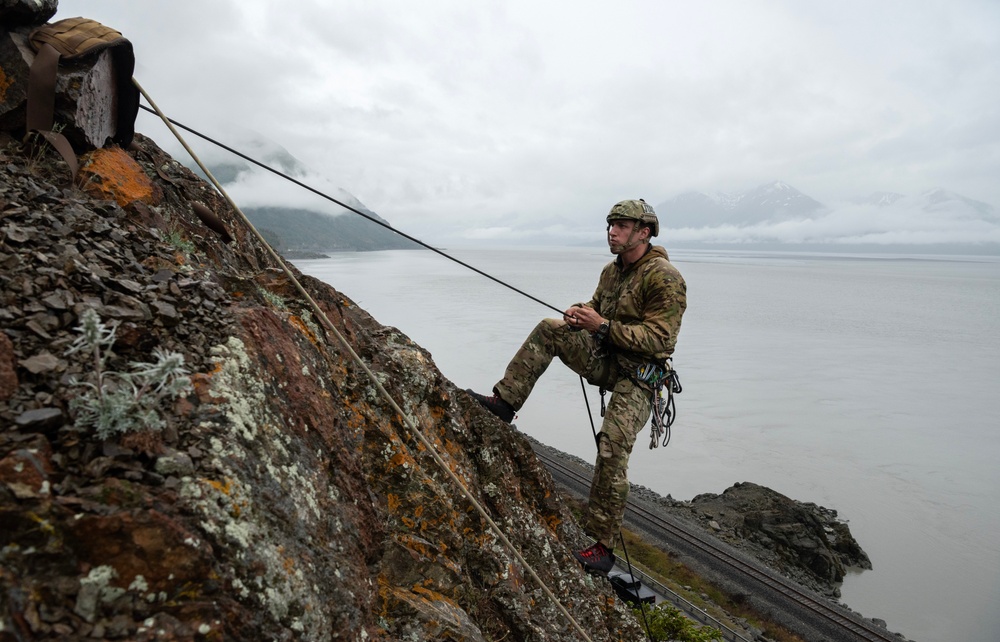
283,498
16,13
86,99
802,540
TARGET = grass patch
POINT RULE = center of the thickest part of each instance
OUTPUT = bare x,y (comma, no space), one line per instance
676,575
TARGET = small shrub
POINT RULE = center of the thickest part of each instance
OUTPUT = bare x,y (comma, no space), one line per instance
116,403
668,623
174,238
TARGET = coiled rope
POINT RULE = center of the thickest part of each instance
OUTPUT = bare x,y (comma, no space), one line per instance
411,424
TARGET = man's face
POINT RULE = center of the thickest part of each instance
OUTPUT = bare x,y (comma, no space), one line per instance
619,232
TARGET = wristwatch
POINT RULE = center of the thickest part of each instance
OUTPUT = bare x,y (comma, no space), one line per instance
602,331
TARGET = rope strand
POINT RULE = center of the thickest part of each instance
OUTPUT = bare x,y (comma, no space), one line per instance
410,423
249,159
621,536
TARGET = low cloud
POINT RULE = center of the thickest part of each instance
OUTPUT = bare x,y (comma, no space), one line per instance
259,188
907,221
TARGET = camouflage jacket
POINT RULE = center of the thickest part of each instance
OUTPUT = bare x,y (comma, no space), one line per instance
644,304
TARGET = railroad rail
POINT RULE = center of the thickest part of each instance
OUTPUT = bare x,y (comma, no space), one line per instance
826,617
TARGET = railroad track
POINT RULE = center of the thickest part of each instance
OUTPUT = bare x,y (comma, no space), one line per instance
831,621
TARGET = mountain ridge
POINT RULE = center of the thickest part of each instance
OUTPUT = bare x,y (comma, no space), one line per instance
295,230
776,214
778,201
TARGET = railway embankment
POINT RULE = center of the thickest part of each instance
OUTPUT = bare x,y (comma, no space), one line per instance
760,554
801,540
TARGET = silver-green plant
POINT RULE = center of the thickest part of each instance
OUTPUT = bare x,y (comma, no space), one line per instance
174,238
123,402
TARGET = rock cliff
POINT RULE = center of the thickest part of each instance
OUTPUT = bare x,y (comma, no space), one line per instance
187,453
282,498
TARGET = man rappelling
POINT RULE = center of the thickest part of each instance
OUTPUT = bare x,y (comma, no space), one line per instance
622,341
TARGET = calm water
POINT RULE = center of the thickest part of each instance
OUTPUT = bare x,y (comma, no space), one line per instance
862,383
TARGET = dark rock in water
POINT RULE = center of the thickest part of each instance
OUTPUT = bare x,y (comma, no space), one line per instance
303,255
802,537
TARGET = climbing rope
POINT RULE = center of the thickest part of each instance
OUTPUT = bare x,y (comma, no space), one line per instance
411,424
621,536
256,162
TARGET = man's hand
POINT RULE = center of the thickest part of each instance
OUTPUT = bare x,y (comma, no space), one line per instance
583,318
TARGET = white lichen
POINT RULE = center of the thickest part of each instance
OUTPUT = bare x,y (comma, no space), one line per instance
95,589
252,445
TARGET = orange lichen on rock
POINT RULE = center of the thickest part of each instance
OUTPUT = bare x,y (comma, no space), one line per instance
112,174
5,83
303,328
202,384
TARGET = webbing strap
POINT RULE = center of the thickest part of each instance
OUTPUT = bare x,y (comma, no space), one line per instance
65,150
42,103
75,37
42,89
69,39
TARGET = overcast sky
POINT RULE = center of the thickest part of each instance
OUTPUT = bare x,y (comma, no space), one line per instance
457,119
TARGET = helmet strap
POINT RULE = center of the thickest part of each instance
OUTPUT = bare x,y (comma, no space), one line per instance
630,241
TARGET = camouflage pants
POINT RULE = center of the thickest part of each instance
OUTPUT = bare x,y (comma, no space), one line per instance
627,413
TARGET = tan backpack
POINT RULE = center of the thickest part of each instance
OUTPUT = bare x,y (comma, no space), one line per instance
72,39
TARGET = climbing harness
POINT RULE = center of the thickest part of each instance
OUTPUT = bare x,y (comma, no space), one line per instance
408,420
658,377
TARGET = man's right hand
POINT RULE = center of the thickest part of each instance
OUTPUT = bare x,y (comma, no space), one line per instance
583,318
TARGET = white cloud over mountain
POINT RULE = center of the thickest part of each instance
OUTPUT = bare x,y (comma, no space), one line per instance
516,119
934,217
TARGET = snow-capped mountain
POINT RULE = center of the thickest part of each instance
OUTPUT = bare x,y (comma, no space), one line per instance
958,206
771,202
779,214
882,199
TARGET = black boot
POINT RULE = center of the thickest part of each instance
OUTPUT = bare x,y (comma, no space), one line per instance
495,404
597,559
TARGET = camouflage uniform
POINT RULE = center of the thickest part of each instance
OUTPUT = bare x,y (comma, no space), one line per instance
644,304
